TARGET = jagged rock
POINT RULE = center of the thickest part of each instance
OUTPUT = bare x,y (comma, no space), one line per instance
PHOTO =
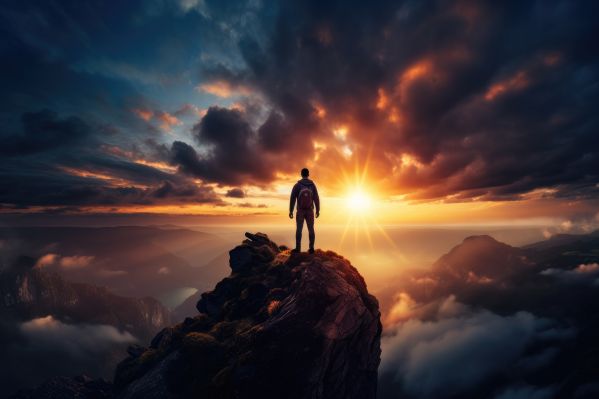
256,250
281,325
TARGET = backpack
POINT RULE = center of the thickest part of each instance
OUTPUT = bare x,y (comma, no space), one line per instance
304,198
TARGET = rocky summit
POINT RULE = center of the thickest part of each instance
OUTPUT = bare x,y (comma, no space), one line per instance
282,325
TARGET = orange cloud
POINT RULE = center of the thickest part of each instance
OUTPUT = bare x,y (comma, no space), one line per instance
113,181
67,262
46,260
383,100
167,120
223,89
401,310
416,71
144,114
321,112
517,82
75,262
165,167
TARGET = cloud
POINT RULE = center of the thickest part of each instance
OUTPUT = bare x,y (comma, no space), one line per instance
223,89
583,273
75,262
430,94
144,114
231,156
74,339
44,130
420,84
235,193
250,205
47,260
232,152
165,119
45,347
462,348
65,262
527,392
187,193
84,174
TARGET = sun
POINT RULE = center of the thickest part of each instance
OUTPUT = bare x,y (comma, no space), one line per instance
358,201
361,196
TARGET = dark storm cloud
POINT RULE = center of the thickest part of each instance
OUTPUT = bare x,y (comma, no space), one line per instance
72,76
59,188
236,153
42,131
232,156
187,193
56,161
492,100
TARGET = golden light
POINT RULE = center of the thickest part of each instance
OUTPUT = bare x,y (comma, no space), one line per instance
358,201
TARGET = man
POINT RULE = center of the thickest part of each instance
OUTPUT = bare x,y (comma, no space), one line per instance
306,195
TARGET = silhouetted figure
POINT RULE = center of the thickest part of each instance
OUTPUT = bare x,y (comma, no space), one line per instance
306,195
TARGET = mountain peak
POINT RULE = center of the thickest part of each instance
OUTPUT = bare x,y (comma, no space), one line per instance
482,238
482,255
283,324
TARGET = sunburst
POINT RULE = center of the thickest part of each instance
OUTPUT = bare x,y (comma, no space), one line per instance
362,203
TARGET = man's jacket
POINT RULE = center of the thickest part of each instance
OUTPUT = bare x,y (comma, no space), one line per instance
305,182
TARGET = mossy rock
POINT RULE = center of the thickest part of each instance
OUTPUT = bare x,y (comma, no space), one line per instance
199,323
224,330
134,367
202,345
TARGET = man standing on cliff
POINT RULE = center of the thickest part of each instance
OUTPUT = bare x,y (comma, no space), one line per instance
306,195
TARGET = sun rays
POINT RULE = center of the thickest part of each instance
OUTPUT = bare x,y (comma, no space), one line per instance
362,204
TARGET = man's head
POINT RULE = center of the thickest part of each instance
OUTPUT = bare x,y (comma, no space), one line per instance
305,172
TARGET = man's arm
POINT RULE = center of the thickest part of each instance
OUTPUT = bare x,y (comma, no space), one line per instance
316,200
292,199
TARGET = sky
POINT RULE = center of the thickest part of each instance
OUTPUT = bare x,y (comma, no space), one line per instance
409,112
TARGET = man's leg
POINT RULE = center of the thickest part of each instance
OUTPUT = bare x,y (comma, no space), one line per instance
310,223
299,221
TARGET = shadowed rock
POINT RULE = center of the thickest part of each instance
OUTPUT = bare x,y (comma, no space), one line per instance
68,388
281,325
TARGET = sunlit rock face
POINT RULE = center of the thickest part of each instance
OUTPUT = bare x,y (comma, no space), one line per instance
282,325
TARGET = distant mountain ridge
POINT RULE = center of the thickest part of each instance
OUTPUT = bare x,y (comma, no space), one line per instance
28,292
480,256
134,261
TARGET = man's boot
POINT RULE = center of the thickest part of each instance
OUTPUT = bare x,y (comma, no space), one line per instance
311,250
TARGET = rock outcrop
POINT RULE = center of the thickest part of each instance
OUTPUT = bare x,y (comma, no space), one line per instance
282,325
